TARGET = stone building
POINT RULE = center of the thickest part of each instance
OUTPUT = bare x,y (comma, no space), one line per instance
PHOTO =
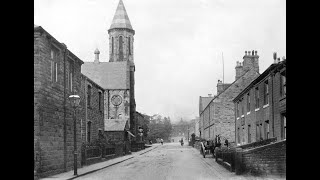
92,110
196,127
203,102
140,123
217,118
260,120
56,76
261,107
116,77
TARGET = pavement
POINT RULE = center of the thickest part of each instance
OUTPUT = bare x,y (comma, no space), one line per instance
98,166
169,161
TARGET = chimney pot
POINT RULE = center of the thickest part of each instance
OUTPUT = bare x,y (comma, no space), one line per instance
274,56
256,52
278,59
249,53
252,52
245,52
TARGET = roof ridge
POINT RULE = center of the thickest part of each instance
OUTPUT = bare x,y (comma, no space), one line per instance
264,73
230,86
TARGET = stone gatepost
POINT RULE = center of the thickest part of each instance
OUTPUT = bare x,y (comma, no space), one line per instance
239,161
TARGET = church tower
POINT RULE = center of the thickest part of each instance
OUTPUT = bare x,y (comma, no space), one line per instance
121,50
121,36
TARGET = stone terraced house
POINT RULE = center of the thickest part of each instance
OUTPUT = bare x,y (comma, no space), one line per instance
260,119
217,113
261,107
56,76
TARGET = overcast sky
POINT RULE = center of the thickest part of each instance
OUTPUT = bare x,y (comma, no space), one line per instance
178,43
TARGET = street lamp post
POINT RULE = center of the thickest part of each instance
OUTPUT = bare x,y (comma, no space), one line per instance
75,100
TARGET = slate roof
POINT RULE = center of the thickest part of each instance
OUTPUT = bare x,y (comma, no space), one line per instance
116,124
217,96
121,18
260,77
109,75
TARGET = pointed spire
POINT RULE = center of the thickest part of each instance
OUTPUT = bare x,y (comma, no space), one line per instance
121,19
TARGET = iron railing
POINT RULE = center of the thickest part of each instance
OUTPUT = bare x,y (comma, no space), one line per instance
227,155
93,152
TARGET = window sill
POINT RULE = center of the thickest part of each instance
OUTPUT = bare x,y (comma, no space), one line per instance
248,112
265,105
242,116
238,118
282,97
257,109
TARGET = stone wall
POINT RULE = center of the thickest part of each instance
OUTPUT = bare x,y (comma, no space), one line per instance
116,136
266,160
53,121
94,113
115,34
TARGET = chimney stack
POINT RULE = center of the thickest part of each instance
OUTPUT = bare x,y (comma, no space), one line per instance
219,87
96,52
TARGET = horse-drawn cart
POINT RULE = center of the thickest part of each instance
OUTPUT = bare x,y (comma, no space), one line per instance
206,149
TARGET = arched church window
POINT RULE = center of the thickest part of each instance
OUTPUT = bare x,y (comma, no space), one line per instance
129,45
112,45
120,48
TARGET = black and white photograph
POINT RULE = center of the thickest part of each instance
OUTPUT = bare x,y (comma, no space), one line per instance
159,89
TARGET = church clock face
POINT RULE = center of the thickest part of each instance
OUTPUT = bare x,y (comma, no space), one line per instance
116,100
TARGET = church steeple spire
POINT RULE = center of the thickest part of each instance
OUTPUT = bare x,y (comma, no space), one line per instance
121,18
121,36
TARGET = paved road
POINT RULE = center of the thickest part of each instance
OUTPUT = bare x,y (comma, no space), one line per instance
168,162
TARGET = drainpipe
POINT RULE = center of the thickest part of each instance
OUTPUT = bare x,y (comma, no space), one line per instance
64,110
108,92
235,123
86,107
272,101
209,122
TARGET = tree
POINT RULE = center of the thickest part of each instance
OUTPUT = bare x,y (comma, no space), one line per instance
159,127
